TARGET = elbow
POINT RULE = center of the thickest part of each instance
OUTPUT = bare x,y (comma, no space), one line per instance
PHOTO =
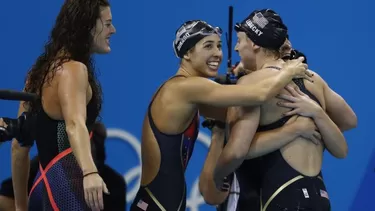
352,122
344,153
210,198
237,155
73,125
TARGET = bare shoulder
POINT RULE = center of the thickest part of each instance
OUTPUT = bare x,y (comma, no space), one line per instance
318,80
255,76
73,69
183,84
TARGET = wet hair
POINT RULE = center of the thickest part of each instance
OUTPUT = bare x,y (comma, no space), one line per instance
70,39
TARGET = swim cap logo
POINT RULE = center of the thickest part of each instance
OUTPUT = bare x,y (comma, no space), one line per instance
259,20
184,29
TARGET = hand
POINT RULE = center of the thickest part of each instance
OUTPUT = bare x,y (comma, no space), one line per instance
94,187
301,103
223,185
306,128
3,132
298,69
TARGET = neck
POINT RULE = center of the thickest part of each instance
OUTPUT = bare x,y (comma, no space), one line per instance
187,70
263,61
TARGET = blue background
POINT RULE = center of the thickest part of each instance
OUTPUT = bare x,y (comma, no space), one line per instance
335,36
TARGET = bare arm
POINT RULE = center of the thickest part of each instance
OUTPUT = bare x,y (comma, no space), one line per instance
20,169
198,90
272,140
203,91
213,112
339,110
269,141
333,138
243,123
207,187
72,91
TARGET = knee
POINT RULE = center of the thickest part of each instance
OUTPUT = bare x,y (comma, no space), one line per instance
6,204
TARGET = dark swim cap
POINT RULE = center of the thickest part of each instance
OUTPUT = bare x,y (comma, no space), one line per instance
265,28
190,33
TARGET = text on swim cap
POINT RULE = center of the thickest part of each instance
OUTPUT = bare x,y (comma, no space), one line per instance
182,41
253,28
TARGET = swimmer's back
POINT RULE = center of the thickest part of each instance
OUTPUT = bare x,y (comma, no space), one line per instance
51,103
59,182
270,111
301,154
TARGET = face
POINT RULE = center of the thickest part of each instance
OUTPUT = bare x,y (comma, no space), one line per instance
103,31
206,56
246,50
286,49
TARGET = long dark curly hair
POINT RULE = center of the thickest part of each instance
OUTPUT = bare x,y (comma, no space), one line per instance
72,35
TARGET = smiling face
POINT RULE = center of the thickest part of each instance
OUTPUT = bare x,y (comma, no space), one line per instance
103,31
206,56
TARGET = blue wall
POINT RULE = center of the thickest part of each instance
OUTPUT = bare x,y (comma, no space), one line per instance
335,35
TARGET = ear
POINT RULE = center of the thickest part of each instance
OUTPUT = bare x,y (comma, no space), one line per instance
188,54
256,47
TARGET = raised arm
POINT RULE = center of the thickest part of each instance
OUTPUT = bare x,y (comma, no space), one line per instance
72,93
198,90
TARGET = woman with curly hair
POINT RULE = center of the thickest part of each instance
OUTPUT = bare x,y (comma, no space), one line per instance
70,102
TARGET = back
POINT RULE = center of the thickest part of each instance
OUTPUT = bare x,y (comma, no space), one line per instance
301,154
270,111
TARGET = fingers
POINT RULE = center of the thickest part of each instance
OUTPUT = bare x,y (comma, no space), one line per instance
105,189
286,104
309,73
92,198
225,187
291,113
87,198
99,196
308,78
292,91
317,135
299,91
286,97
314,140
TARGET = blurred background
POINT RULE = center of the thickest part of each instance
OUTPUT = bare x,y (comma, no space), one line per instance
336,36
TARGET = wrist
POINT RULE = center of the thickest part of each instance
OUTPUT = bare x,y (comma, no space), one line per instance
89,170
319,114
293,130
